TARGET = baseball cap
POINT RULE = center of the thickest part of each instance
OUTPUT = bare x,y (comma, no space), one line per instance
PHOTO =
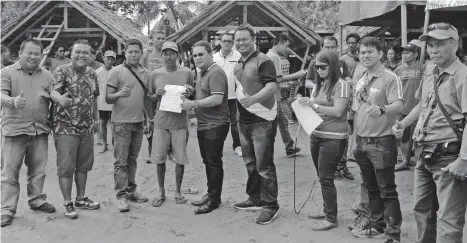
110,53
413,46
170,45
440,31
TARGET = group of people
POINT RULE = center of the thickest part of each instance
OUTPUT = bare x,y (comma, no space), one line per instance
367,111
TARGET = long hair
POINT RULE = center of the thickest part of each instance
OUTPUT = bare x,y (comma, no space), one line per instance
330,58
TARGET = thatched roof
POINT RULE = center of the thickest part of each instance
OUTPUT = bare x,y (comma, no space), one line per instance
269,7
119,27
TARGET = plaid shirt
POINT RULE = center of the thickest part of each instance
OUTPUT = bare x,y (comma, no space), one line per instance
285,66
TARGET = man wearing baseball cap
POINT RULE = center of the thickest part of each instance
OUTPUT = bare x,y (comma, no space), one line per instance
170,128
105,110
441,148
410,73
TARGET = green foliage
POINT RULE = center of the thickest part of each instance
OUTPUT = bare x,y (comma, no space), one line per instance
12,9
318,14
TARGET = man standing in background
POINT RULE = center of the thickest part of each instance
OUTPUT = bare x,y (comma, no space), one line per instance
53,63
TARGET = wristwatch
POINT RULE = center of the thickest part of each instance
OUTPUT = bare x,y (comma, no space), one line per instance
382,109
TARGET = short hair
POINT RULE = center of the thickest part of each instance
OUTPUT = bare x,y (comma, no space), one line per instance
331,38
226,33
370,41
59,45
281,38
205,44
134,42
4,49
246,27
35,42
160,32
352,35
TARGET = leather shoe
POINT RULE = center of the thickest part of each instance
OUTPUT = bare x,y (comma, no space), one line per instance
201,202
208,207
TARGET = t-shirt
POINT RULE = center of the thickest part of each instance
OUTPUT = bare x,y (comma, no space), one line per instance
382,89
54,63
311,73
350,62
152,60
332,127
96,65
410,78
212,81
102,77
276,59
159,79
129,109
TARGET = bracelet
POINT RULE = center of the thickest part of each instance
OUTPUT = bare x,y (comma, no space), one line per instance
11,102
463,156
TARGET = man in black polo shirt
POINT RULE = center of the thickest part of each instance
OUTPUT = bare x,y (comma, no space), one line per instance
256,85
212,112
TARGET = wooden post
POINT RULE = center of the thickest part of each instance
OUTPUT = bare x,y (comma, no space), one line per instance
341,33
404,23
65,18
205,35
245,14
119,48
425,30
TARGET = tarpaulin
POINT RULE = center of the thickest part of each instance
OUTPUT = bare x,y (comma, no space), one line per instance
446,4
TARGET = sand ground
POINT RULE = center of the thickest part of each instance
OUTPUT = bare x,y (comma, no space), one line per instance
178,223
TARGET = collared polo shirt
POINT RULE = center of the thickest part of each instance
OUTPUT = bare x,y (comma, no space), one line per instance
212,81
33,118
227,63
129,109
102,77
252,75
410,78
83,88
432,126
383,88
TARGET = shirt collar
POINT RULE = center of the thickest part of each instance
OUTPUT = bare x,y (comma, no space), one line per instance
18,66
253,54
377,74
230,54
205,71
451,69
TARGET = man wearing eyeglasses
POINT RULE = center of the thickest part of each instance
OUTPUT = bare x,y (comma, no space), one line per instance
441,148
378,101
53,63
227,58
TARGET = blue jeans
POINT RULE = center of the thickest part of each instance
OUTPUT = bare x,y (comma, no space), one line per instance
128,138
326,154
234,123
377,158
34,151
435,190
257,141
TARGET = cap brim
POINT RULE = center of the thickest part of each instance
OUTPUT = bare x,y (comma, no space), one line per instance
433,35
169,48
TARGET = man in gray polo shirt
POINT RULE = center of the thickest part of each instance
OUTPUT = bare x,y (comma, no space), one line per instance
441,153
377,104
128,97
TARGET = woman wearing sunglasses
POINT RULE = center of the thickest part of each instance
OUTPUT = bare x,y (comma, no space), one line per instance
330,99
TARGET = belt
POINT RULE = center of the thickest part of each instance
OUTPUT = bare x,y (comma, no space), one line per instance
373,139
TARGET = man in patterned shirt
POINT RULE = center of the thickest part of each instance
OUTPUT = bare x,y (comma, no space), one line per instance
75,92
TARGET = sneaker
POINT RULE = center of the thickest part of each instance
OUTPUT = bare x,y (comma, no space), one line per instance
238,151
293,151
391,241
344,171
6,220
70,211
86,203
368,232
45,207
267,215
337,174
248,204
324,225
137,196
360,222
123,205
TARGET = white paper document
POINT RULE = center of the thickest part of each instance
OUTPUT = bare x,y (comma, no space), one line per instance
306,116
171,99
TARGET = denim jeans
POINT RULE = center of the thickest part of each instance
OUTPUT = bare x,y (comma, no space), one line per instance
436,190
257,141
284,127
377,158
211,145
128,138
364,203
234,123
326,154
34,151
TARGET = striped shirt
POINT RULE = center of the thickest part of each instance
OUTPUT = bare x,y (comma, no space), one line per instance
383,88
332,127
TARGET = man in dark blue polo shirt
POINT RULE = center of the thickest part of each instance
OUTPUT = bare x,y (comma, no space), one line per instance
256,85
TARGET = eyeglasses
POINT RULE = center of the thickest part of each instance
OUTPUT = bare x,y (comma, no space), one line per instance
321,67
441,26
198,55
60,50
227,41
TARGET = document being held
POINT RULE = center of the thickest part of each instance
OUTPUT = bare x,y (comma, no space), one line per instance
171,99
307,117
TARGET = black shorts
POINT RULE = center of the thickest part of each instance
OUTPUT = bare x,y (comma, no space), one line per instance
105,115
408,131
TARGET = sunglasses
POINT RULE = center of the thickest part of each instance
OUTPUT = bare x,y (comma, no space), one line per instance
321,67
198,55
441,26
227,41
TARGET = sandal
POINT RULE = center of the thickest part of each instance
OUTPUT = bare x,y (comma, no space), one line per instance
157,202
401,167
181,200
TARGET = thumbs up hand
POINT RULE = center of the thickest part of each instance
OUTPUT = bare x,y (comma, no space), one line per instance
20,101
126,91
65,100
398,129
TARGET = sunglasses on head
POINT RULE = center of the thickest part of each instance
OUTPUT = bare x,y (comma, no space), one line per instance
198,55
441,26
321,67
